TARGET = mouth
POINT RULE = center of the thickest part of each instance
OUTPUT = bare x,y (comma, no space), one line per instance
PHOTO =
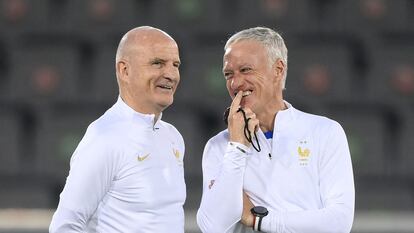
245,93
166,86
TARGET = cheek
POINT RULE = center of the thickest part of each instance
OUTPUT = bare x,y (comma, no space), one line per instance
178,78
228,86
262,83
141,83
269,90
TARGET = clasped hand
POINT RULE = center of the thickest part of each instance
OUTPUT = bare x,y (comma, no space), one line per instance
236,121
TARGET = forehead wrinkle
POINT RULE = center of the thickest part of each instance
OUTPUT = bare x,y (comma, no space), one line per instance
245,52
166,51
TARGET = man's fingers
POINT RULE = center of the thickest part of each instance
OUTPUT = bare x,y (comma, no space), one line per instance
253,121
254,125
251,115
248,111
236,103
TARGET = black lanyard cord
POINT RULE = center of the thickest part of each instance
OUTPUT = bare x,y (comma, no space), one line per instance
247,132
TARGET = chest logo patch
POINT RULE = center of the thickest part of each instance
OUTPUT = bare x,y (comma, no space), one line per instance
303,153
176,153
177,156
142,158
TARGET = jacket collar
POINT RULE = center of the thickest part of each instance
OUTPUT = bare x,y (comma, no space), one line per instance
284,119
130,114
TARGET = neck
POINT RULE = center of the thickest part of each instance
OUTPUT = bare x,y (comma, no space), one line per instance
267,117
141,109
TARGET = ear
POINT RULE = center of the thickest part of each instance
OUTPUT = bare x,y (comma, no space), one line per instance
122,69
279,69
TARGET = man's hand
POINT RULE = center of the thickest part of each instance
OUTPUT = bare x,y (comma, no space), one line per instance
247,217
236,121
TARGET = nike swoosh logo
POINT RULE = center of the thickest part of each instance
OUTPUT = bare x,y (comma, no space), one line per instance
142,158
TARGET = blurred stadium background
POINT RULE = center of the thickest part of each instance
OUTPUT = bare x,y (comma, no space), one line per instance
349,60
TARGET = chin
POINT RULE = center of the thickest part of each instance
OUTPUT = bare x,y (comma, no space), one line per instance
246,104
165,103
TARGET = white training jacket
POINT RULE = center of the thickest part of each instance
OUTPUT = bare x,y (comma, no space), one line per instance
126,175
306,182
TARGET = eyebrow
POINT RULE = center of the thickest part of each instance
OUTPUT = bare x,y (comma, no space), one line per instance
238,67
245,64
157,59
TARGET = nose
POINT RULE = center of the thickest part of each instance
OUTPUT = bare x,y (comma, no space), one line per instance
171,72
237,82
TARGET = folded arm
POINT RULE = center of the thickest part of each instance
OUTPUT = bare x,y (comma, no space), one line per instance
336,186
222,201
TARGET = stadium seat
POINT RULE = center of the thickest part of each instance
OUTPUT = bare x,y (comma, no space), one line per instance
25,192
104,85
44,71
4,69
10,136
406,147
188,11
336,16
365,128
284,15
364,17
203,82
194,15
60,131
391,76
18,16
98,18
384,194
319,72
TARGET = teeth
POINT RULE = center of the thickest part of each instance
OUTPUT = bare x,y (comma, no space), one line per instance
246,93
166,86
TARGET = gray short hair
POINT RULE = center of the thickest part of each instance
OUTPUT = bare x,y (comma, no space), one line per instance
270,39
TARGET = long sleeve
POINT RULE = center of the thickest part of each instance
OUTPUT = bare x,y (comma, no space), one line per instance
222,201
90,176
337,193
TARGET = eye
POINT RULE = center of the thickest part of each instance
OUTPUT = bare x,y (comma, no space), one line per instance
245,69
228,75
177,64
157,63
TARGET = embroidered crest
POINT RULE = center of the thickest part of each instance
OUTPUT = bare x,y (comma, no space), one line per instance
177,156
303,153
176,153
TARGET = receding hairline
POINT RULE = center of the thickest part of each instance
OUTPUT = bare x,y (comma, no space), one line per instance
137,36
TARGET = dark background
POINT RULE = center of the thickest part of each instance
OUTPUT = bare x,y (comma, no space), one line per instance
352,61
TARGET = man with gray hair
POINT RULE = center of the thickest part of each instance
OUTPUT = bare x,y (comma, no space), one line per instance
275,168
126,175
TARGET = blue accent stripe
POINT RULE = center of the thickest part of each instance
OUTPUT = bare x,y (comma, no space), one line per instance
268,134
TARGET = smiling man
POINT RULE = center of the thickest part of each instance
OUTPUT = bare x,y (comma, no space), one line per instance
287,171
126,175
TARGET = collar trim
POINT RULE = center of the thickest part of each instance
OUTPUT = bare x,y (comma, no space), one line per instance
126,111
268,134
